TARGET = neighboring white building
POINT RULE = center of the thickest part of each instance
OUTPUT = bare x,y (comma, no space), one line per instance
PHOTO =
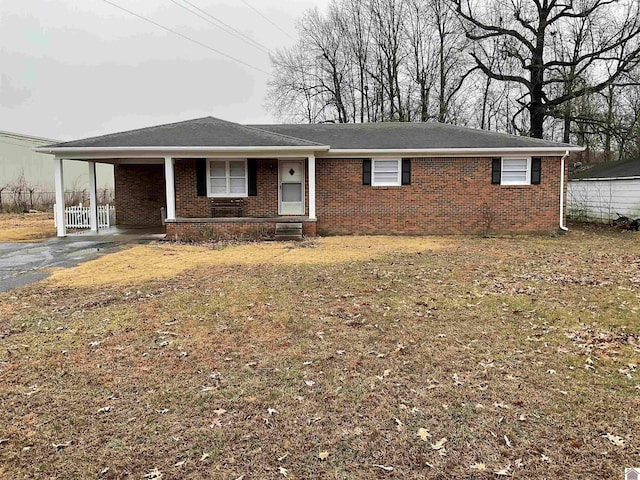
604,191
17,159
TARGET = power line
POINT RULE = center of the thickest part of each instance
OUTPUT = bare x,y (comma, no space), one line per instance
197,42
268,20
222,25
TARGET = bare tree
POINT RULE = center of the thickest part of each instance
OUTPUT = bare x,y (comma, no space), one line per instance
526,28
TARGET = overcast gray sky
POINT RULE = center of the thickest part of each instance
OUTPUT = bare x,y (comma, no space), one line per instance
76,68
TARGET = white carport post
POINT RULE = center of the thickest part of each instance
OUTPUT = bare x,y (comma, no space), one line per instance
93,198
312,187
59,185
170,188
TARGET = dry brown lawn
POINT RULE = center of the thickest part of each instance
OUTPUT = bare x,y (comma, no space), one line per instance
27,227
444,358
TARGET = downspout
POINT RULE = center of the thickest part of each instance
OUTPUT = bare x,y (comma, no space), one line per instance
562,226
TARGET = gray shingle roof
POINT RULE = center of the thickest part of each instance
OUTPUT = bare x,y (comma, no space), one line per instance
202,132
405,136
610,170
213,132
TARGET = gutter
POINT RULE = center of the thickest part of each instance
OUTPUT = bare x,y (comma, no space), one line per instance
562,226
172,149
446,152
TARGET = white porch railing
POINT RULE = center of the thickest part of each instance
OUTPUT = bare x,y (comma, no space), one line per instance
78,216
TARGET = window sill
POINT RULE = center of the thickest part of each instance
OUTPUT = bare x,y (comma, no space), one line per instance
386,187
228,196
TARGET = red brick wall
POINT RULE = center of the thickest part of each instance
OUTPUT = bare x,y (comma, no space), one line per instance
140,194
446,195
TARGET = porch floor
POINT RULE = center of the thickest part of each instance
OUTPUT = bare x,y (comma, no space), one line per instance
119,233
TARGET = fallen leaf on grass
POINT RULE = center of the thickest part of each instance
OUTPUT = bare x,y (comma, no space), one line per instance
60,446
4,440
481,467
309,383
271,411
154,474
219,411
439,444
323,455
423,433
204,457
383,467
615,440
399,424
508,442
283,471
503,472
104,409
180,463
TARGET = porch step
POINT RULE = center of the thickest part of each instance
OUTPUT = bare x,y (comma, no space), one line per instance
288,231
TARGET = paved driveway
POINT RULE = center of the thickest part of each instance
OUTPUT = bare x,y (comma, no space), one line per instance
23,263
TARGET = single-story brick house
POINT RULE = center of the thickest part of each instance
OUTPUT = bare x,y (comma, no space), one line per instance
219,178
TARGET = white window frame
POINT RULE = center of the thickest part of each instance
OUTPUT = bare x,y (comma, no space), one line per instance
374,183
527,180
228,178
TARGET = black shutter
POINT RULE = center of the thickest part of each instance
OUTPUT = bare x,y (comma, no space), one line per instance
366,171
496,169
406,171
536,170
201,176
252,174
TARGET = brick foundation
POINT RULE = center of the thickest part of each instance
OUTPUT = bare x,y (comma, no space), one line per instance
229,229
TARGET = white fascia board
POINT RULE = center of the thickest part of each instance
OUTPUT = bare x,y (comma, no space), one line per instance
84,153
596,179
450,152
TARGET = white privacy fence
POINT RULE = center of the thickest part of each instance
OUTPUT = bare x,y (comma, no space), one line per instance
78,216
602,200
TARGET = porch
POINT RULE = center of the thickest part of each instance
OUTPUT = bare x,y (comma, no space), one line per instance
213,197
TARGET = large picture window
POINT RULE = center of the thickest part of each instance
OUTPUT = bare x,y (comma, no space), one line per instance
227,178
386,173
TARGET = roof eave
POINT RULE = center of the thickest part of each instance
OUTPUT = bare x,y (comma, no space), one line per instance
450,152
178,151
603,179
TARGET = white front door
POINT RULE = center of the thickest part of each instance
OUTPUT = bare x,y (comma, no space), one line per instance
291,187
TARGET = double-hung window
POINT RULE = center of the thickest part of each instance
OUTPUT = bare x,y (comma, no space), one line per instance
386,173
227,178
516,171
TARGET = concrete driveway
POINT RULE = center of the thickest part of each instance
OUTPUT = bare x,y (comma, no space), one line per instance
24,263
